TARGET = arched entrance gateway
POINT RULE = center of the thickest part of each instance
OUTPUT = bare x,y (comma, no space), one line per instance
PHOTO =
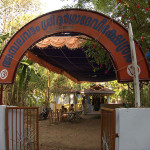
105,30
112,35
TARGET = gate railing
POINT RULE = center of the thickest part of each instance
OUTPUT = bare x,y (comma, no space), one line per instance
108,123
22,128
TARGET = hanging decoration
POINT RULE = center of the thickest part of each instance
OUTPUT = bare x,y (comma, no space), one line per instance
70,42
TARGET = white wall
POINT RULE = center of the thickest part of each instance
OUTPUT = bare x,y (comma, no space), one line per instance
2,128
15,130
133,127
63,98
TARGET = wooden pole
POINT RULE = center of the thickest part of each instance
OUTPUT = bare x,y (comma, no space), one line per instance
69,99
135,67
47,101
75,99
1,95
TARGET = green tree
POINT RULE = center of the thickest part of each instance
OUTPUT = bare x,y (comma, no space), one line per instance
3,38
14,14
125,11
11,9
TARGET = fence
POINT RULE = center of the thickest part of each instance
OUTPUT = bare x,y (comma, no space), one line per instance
108,123
55,116
22,128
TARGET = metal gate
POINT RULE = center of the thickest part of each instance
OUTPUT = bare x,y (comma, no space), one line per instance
22,130
108,123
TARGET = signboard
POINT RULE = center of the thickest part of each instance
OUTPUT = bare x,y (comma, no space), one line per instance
108,32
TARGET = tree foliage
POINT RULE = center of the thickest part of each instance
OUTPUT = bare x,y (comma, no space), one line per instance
97,55
138,13
13,15
125,11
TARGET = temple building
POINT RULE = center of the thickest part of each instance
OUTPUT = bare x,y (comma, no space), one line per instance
96,96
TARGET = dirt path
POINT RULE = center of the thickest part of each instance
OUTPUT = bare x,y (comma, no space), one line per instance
76,135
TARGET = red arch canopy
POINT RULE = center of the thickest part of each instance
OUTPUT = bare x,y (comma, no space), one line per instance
108,32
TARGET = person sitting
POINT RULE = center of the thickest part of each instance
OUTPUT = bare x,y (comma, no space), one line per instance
71,107
63,116
63,109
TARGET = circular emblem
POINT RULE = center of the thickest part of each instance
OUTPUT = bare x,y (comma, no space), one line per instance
3,74
130,70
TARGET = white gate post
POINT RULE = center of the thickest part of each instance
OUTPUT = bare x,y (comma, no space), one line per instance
135,68
108,99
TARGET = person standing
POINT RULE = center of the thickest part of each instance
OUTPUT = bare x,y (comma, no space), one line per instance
83,105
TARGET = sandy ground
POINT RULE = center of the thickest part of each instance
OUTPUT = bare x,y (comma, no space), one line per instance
83,134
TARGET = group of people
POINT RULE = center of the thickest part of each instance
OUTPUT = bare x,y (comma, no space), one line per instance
71,108
67,116
63,109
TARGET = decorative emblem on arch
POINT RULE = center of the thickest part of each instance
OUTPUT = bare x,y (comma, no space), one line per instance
3,74
108,32
131,72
